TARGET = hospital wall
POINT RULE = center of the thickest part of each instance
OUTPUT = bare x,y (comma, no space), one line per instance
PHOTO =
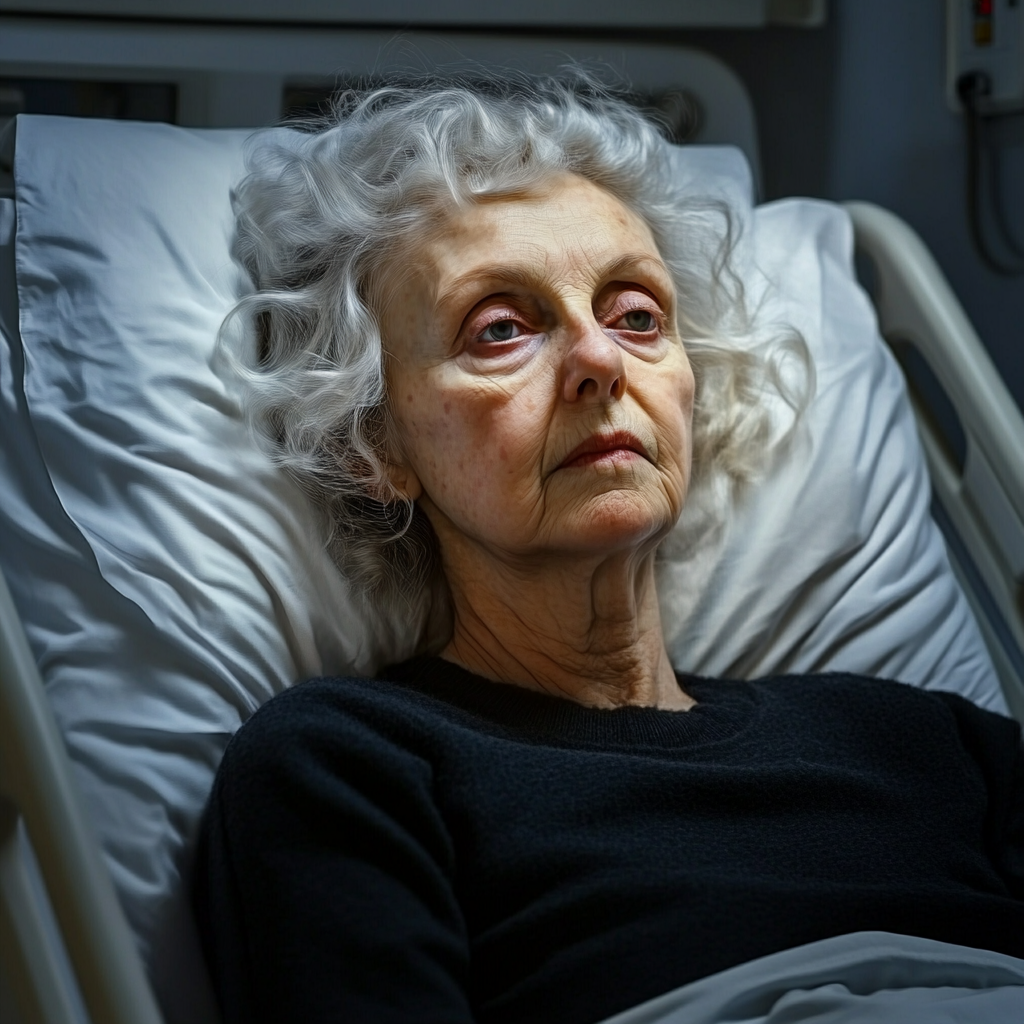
856,110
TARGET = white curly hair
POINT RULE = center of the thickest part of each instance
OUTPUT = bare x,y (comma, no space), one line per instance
324,217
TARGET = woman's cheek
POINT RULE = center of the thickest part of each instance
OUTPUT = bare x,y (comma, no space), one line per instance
448,447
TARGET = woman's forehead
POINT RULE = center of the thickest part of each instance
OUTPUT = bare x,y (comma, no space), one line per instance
569,224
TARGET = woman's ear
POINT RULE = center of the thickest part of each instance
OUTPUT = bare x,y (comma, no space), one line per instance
404,481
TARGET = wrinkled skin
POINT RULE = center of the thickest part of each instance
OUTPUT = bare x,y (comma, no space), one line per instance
543,404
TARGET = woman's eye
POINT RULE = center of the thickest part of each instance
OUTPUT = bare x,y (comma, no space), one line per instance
636,321
501,330
639,320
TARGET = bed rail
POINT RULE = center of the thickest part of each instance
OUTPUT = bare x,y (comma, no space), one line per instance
978,503
36,785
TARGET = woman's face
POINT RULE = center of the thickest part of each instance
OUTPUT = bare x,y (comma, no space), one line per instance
541,394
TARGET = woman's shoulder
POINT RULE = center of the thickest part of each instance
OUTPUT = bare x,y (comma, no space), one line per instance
318,700
319,719
395,690
886,715
837,690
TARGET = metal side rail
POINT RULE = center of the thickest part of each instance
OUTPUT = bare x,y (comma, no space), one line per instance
979,505
36,785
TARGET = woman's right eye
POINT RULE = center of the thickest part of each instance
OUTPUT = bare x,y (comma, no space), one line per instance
501,330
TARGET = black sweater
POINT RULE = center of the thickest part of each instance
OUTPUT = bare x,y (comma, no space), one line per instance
436,847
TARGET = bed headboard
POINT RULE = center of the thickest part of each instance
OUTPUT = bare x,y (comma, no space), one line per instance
246,75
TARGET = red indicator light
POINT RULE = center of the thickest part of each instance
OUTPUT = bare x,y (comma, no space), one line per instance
983,8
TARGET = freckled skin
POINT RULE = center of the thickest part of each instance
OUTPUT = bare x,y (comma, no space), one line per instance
531,326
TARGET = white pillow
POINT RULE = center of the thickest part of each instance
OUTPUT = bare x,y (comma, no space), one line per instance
170,580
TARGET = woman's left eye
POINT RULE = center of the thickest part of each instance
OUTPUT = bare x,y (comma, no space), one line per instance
637,321
501,330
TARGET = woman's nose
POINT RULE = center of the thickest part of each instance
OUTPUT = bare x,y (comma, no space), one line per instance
594,367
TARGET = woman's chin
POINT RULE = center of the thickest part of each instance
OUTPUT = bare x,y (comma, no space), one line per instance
618,520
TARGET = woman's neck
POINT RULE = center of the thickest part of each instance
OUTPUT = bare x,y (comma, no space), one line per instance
588,632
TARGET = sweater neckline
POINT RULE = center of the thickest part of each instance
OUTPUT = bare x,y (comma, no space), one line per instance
724,709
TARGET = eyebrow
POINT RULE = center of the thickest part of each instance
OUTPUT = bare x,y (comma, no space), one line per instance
631,261
493,272
525,279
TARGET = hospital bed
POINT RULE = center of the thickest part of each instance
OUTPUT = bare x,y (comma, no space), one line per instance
876,597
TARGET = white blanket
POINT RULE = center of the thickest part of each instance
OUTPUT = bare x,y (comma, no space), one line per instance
869,977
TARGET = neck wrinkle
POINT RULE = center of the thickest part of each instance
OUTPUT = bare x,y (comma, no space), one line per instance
546,631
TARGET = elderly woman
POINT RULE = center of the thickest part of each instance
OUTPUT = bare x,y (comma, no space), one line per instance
497,348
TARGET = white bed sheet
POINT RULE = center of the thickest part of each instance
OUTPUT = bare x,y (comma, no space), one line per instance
860,978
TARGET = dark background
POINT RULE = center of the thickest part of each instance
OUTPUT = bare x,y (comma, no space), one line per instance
857,110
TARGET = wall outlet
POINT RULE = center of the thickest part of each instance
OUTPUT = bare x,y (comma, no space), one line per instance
987,36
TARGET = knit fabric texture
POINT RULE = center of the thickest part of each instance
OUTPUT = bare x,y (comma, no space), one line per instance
431,846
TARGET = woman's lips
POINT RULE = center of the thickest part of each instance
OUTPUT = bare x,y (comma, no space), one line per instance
618,447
